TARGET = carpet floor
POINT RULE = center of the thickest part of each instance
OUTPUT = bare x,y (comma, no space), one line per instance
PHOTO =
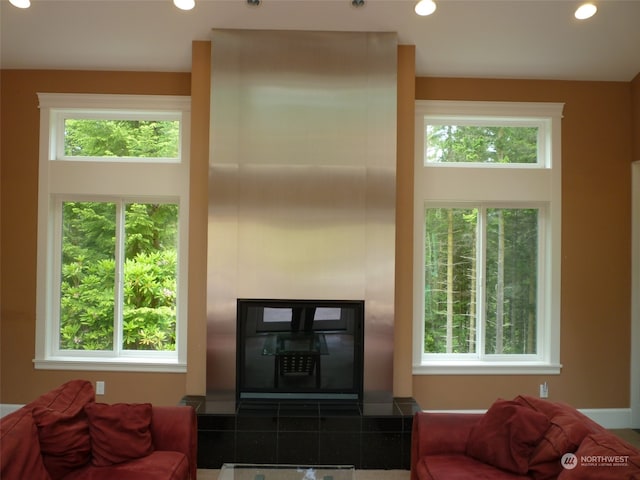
629,435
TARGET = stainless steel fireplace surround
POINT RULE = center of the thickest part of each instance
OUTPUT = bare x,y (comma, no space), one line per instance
302,183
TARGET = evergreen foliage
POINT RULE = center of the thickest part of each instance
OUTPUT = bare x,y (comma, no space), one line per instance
95,292
121,138
481,263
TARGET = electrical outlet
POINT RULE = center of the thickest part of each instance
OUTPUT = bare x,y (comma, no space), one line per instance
99,388
544,390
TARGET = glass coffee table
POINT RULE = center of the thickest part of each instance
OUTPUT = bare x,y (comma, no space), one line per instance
247,471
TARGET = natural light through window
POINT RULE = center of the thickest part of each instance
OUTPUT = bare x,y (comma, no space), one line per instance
466,251
123,139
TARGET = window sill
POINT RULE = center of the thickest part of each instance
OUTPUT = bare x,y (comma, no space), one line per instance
487,368
110,364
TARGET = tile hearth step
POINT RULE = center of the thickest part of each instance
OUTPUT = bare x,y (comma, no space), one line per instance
370,435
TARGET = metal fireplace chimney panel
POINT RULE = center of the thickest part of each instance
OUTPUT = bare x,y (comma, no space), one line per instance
302,182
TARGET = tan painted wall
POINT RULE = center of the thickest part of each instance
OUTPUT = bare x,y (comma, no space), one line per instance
198,219
635,105
597,149
596,245
402,357
19,189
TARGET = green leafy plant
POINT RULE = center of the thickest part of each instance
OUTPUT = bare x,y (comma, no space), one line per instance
88,313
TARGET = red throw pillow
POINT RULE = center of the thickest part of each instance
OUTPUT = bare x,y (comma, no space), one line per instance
602,456
64,440
70,397
119,432
506,436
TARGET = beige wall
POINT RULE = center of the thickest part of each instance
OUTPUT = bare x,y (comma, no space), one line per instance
597,150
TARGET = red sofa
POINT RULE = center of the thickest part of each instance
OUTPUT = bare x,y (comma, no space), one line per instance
65,435
524,438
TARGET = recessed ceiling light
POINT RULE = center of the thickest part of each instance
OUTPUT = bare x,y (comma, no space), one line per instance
425,7
586,10
184,4
20,3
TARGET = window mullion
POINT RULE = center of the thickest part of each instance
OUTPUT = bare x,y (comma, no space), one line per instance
119,279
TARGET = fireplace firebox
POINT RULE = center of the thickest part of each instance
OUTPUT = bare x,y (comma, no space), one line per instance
299,349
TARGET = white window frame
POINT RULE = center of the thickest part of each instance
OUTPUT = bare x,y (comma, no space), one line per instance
506,186
106,179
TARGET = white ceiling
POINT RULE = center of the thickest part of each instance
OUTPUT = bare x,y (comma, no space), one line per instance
535,39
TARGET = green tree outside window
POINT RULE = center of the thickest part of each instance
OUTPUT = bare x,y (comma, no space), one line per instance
89,276
122,138
119,259
480,271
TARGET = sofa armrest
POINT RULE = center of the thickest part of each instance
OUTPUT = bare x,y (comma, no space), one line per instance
439,433
174,428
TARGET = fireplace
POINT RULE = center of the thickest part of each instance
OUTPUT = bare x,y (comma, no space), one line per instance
299,349
302,197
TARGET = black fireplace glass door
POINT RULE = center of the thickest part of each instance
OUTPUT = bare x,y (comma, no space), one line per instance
299,349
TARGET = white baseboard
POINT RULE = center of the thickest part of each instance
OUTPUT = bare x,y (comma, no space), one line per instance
7,408
456,411
607,417
610,417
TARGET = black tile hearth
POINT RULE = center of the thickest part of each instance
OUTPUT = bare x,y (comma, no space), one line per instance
374,434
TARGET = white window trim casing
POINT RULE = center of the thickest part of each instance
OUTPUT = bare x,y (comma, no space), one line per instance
635,295
514,185
107,178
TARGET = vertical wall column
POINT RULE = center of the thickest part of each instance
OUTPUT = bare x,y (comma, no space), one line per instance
402,362
199,167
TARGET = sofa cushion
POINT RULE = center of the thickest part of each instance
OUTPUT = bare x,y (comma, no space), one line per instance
460,467
64,440
159,465
119,432
20,456
567,430
70,397
506,436
564,435
603,456
551,409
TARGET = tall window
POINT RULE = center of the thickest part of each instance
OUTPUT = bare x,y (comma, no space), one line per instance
113,217
487,206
